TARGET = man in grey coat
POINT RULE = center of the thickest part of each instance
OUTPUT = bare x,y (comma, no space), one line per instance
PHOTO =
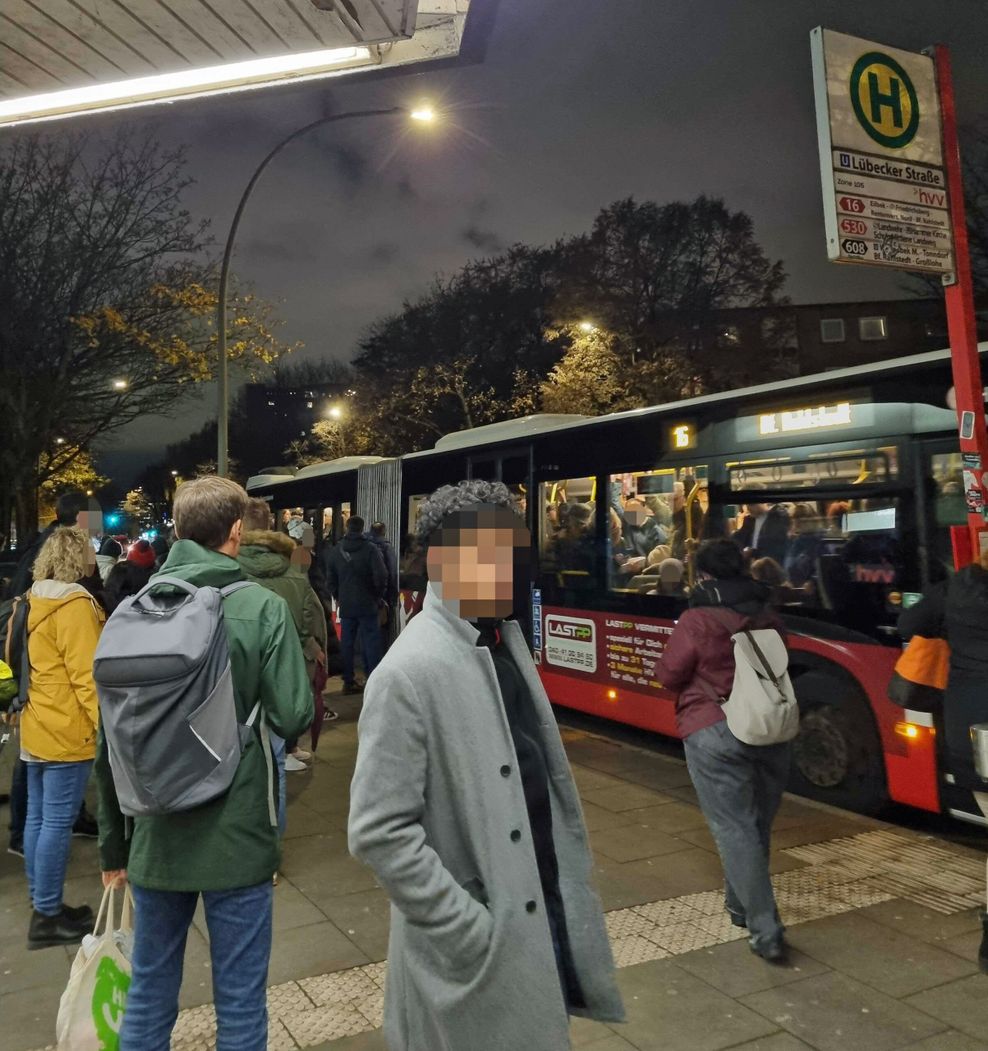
463,804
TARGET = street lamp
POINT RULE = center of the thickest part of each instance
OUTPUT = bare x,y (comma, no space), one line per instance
422,114
587,326
334,412
119,384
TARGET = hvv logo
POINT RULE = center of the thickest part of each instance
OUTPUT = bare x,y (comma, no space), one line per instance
564,628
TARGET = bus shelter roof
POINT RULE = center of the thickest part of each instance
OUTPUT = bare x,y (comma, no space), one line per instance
63,58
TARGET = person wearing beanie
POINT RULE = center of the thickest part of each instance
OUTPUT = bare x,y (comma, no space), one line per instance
142,554
109,555
126,578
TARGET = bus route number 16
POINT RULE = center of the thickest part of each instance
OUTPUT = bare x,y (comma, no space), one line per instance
852,204
849,246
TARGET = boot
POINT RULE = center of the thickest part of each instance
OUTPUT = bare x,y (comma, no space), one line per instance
983,950
78,913
46,931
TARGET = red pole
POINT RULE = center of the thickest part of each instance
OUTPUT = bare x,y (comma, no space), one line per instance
961,325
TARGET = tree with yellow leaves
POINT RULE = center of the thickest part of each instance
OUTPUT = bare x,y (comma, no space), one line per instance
108,300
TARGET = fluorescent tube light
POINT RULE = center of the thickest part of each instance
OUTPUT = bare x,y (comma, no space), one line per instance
188,83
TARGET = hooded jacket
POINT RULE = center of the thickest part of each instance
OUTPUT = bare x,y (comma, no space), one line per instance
60,720
357,576
228,842
699,657
265,557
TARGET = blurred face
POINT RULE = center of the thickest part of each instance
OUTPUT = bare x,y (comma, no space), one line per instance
471,565
636,513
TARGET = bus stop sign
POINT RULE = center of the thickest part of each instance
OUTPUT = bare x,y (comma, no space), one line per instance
885,197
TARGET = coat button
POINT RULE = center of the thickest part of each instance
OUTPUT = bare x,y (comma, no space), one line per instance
515,835
530,906
505,770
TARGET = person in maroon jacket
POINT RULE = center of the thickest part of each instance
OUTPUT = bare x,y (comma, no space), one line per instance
739,786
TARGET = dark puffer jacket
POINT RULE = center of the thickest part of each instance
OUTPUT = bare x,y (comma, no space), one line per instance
957,610
700,649
357,576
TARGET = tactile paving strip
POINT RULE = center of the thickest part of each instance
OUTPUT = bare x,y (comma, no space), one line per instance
841,875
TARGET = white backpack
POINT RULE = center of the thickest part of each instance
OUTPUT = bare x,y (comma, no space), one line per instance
761,708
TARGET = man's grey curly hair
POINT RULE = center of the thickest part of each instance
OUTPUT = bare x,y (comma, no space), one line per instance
450,499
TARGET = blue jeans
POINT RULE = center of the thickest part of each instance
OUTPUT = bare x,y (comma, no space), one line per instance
239,923
18,803
370,642
739,787
54,795
278,755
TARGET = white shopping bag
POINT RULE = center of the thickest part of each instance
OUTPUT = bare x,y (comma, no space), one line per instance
92,1006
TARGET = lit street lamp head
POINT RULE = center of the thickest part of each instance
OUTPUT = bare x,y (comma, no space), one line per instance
119,384
424,114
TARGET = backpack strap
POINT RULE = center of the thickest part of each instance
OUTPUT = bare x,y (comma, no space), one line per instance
762,660
256,711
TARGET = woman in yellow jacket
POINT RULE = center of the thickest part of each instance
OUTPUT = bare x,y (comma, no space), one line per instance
58,728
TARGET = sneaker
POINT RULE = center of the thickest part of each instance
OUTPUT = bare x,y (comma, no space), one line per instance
302,755
274,879
47,931
293,766
85,825
329,716
17,849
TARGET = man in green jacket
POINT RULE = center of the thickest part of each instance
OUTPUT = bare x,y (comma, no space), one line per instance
227,849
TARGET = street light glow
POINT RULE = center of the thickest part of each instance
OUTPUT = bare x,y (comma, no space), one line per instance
587,326
334,412
119,384
425,114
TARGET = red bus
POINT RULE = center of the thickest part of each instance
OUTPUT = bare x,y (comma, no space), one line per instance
855,476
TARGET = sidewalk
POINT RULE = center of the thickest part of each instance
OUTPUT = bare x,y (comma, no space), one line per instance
883,923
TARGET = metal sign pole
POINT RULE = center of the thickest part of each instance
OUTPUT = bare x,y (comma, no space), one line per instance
961,323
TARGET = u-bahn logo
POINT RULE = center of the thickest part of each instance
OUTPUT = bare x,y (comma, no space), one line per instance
884,100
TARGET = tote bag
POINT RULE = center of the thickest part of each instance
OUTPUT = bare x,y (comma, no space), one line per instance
91,1009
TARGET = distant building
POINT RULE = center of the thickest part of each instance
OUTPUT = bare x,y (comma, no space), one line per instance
282,415
805,338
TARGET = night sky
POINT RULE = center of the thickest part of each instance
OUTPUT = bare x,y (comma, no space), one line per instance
578,103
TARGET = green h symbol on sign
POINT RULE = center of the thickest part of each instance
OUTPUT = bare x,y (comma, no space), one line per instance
890,116
879,99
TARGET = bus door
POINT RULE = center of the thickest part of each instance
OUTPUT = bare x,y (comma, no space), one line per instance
942,506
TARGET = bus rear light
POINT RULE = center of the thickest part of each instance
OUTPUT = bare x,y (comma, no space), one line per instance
910,730
612,695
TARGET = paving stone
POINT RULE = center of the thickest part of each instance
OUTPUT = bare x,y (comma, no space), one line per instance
633,842
966,946
623,797
28,1018
584,1031
835,1013
319,1024
364,917
611,1043
597,819
952,1041
878,955
685,872
588,780
306,951
920,922
671,1009
669,816
304,821
370,1041
735,970
961,1005
775,1042
292,908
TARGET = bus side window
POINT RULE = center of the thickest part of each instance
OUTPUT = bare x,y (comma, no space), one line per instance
945,507
566,543
655,519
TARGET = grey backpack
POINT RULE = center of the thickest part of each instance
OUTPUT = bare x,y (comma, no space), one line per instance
167,706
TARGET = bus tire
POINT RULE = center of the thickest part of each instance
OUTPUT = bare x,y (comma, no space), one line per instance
837,756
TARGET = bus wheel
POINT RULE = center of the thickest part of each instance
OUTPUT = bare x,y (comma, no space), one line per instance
837,757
